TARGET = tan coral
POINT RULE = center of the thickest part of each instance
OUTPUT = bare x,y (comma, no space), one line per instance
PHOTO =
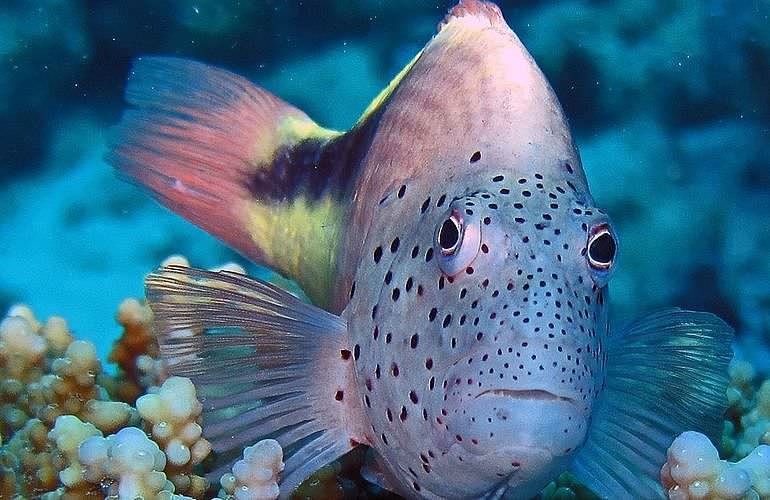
26,347
45,374
747,423
137,340
756,423
71,385
57,333
67,435
33,460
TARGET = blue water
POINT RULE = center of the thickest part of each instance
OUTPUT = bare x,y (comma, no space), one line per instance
668,100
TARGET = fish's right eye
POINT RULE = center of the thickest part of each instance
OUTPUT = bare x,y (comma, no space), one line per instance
601,247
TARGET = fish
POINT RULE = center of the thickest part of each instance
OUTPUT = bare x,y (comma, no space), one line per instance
456,268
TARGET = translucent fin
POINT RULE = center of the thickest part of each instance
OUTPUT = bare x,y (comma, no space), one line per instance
239,162
266,365
666,373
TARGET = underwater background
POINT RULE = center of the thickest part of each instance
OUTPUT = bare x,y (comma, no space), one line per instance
669,103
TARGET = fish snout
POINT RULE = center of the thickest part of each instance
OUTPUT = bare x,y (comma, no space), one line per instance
525,370
514,397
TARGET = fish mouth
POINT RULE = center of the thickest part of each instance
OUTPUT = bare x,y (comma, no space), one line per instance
526,394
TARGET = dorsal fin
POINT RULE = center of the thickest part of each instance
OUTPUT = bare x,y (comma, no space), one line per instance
485,13
239,162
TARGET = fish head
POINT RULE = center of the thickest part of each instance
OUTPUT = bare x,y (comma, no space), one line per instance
486,337
525,260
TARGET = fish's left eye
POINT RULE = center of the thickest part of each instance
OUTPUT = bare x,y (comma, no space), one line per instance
457,241
601,247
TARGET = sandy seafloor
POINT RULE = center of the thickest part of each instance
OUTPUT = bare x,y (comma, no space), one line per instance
669,103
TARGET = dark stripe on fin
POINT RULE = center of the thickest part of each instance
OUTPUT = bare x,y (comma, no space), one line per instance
666,373
240,163
265,364
313,167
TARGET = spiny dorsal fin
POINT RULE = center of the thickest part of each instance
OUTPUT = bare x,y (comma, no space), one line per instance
239,162
478,11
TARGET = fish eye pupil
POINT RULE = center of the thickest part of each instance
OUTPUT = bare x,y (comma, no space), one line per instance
601,249
449,235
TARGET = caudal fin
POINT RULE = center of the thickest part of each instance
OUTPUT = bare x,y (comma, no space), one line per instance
237,161
666,373
266,365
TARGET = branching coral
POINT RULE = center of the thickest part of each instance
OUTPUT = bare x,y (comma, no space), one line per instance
30,456
67,435
694,471
22,361
135,351
128,464
51,402
566,487
255,477
44,374
171,416
748,417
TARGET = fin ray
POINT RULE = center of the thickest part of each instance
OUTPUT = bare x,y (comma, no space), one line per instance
208,322
667,374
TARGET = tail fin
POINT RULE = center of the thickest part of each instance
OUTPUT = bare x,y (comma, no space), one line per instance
237,161
667,373
266,365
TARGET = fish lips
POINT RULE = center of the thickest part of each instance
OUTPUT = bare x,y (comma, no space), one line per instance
516,437
519,419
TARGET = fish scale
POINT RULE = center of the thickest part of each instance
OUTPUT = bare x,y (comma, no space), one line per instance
459,269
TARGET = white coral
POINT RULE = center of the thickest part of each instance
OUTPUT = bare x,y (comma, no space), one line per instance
255,477
694,471
128,458
173,413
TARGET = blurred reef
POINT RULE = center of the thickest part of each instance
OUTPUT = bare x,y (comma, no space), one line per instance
669,105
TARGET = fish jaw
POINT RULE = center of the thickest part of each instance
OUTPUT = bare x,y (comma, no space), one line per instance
525,432
524,470
524,437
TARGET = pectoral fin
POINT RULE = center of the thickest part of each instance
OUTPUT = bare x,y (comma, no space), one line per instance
667,373
265,364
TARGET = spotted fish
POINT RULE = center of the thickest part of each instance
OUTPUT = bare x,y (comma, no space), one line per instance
458,266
